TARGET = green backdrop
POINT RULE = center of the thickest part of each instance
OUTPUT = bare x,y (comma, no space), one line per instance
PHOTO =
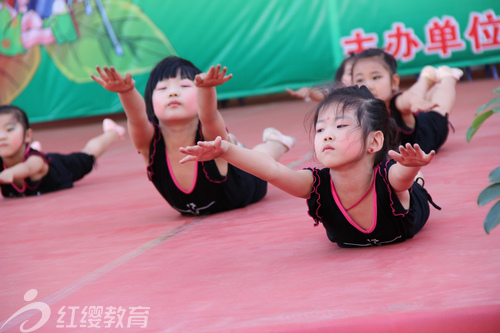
268,45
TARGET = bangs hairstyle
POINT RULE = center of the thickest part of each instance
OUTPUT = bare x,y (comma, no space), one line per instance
168,68
387,60
371,114
18,113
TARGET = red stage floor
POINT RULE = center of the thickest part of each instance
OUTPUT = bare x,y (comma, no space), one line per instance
112,241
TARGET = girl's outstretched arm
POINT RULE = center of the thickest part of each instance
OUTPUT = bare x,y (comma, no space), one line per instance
139,127
34,165
305,93
410,160
297,183
210,117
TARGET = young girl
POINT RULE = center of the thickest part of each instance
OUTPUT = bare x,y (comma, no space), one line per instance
434,90
361,197
25,171
180,109
343,75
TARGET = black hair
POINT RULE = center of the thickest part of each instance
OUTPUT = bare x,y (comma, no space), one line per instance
18,113
388,60
168,68
371,113
340,71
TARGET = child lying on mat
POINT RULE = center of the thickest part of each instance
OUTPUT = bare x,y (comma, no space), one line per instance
26,171
421,112
362,197
180,108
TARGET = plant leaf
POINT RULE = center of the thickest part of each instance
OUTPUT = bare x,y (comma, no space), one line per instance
142,42
497,90
478,120
496,109
489,194
495,175
493,218
492,102
16,73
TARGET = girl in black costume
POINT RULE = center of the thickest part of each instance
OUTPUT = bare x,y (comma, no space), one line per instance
361,197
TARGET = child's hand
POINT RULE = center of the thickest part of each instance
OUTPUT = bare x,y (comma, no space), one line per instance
412,156
111,80
214,77
300,93
6,176
204,151
308,94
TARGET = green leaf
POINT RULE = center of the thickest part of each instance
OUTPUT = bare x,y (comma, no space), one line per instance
142,42
487,106
495,175
478,120
497,90
493,218
496,109
489,194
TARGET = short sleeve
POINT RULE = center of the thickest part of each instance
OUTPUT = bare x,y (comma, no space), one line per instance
313,202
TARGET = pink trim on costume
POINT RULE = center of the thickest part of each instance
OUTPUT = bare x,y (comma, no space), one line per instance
19,190
406,132
344,211
315,174
364,195
175,180
156,138
386,180
200,132
211,180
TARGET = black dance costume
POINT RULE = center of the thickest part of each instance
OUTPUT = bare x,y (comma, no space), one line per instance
392,223
211,192
63,171
430,131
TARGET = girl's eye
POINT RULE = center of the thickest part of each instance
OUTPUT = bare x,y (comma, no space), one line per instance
186,83
319,130
341,126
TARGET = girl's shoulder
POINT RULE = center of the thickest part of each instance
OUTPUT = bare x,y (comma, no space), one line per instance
32,152
320,176
383,168
319,172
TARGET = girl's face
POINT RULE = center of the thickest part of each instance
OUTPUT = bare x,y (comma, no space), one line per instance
371,73
12,136
339,138
174,99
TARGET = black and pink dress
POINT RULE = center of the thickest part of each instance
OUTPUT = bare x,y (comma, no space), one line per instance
392,223
211,192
